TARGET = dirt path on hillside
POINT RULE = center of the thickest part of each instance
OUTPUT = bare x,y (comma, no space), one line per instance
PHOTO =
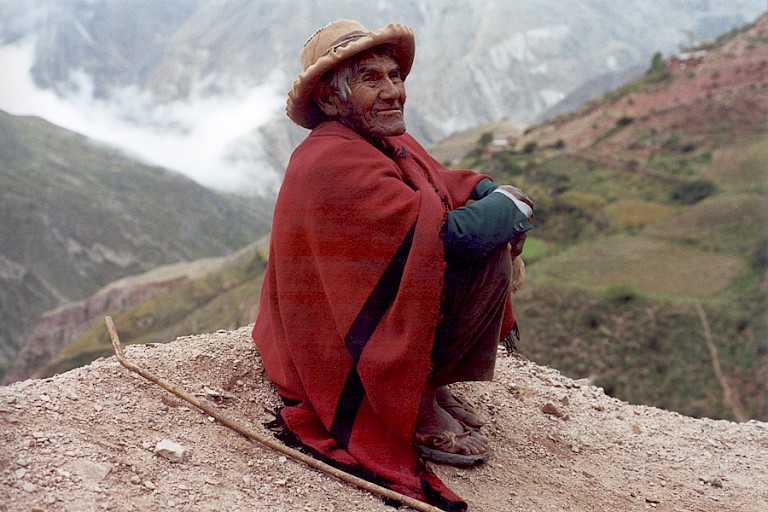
85,441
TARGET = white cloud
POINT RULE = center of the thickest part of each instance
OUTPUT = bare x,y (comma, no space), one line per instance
193,136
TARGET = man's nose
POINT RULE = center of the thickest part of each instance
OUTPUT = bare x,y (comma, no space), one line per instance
390,89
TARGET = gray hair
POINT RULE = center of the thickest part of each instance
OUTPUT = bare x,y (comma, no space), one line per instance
339,77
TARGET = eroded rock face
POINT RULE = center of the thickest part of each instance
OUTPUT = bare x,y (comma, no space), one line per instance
59,327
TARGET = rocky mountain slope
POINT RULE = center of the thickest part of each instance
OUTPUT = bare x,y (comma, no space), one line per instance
76,216
168,66
87,440
182,298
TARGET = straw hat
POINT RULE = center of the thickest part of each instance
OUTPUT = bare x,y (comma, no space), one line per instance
331,45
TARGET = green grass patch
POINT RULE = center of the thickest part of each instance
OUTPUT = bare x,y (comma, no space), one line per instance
634,214
646,264
740,169
536,249
726,223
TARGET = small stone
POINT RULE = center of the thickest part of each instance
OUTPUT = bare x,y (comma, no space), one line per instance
135,480
28,486
93,472
20,473
550,408
171,450
149,485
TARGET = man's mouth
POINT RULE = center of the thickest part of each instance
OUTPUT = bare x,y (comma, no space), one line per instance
390,111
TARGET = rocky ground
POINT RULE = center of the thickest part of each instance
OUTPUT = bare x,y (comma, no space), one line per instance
87,440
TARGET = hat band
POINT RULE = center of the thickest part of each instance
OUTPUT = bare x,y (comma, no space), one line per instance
344,41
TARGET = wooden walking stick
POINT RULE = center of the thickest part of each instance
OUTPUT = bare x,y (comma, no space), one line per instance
212,411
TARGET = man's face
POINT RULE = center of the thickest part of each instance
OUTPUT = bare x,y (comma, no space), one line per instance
374,107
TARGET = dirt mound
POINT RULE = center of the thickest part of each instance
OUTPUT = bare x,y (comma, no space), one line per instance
86,440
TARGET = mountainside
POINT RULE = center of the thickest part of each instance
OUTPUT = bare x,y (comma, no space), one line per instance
76,216
648,270
86,440
647,267
162,304
214,74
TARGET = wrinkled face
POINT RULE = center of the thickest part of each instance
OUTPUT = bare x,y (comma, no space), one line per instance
374,107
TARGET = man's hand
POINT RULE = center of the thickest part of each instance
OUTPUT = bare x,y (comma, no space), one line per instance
516,245
519,194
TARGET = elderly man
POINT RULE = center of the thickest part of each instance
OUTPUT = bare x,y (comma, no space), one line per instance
384,284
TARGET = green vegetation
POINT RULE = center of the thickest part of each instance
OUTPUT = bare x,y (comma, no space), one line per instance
691,192
658,71
647,265
619,260
616,267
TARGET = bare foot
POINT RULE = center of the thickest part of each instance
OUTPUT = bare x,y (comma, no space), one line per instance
460,409
435,421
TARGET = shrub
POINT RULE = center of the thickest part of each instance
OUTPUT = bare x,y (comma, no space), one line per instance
530,147
691,192
622,296
485,139
658,70
505,162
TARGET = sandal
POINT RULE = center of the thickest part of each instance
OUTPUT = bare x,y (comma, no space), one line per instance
462,411
433,447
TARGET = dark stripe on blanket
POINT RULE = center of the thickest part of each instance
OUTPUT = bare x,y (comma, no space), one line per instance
360,332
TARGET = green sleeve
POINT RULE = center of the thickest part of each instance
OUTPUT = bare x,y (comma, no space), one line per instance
475,231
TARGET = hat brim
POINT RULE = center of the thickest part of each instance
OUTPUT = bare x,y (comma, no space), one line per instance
301,107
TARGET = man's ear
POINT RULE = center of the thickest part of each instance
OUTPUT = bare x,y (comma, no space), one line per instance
324,96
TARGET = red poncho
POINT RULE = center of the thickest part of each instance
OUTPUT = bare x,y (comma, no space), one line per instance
351,299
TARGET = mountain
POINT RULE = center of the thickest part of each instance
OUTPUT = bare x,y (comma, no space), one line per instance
210,77
163,304
647,266
87,440
77,216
